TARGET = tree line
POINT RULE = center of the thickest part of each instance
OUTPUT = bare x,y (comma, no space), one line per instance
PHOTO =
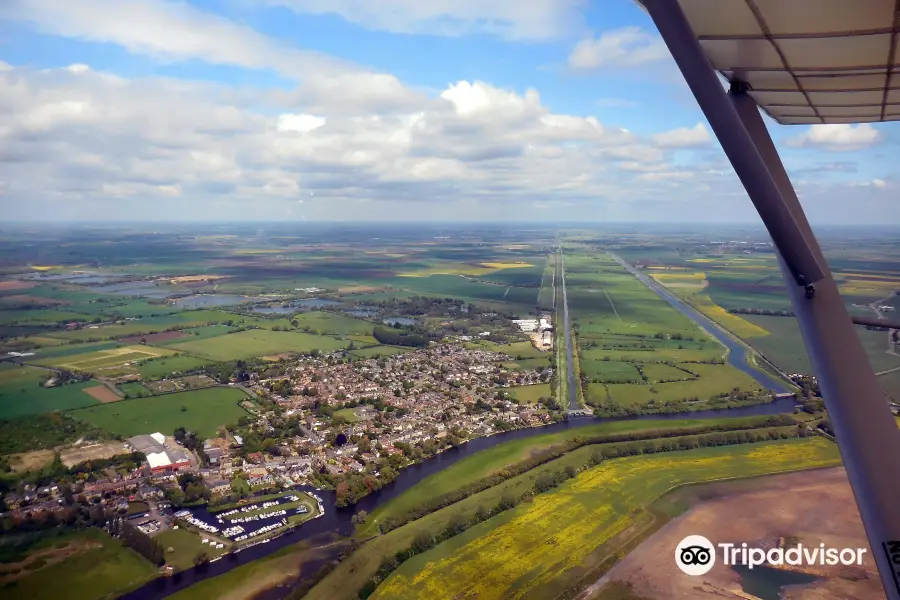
397,337
550,480
721,434
137,540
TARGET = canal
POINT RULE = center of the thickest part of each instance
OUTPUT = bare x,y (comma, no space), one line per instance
738,353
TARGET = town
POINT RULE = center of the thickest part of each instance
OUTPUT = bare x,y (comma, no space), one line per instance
322,421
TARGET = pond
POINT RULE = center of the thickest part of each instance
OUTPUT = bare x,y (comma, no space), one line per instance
401,320
767,582
363,312
203,300
316,303
73,277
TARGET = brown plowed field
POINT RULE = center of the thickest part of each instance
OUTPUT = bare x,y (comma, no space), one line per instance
102,393
809,506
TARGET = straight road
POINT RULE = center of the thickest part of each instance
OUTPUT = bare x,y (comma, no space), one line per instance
570,362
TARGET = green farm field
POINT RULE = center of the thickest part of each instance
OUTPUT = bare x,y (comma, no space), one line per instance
658,373
134,389
545,296
530,394
713,380
22,393
527,364
610,371
253,578
165,366
549,541
97,566
100,360
514,350
201,411
185,546
320,322
258,342
194,334
784,345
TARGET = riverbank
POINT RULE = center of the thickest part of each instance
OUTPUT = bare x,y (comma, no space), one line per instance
338,521
539,535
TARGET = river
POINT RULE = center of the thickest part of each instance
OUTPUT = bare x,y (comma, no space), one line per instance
337,521
738,353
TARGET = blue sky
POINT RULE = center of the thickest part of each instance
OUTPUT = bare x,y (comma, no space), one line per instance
382,110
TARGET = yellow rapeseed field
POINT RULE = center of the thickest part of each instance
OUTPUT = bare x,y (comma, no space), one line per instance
503,265
449,269
45,267
693,275
530,554
867,288
452,268
734,323
880,276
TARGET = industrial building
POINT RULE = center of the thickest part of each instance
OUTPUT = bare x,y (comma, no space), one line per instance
162,456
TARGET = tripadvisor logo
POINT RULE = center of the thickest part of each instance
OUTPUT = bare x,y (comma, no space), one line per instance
695,555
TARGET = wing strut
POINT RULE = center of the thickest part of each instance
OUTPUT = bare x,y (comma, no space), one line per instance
867,435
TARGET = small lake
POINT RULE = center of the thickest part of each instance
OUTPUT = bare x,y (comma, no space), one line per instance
401,320
767,582
204,300
144,289
316,303
365,313
73,277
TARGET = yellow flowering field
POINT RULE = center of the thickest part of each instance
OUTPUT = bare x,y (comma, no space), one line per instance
690,275
530,554
734,323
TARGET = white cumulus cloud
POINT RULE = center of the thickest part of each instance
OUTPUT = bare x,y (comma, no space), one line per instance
169,30
838,137
683,137
626,47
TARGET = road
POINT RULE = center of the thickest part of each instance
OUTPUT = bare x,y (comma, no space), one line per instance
738,353
570,362
891,349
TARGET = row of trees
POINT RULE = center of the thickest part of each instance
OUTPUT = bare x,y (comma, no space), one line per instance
549,480
761,311
137,540
398,337
733,399
687,438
